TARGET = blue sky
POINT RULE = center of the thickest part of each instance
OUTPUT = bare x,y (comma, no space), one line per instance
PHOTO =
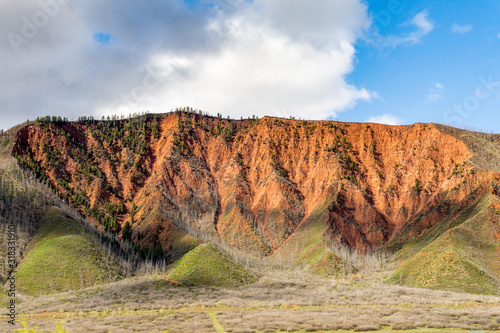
102,38
434,80
393,61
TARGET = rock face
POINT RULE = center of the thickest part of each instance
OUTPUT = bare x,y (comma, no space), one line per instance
254,183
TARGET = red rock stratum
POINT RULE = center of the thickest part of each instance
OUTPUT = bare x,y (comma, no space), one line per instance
254,183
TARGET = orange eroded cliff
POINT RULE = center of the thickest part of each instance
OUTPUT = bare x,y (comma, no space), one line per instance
253,183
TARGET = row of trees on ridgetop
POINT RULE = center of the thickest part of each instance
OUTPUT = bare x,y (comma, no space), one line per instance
52,120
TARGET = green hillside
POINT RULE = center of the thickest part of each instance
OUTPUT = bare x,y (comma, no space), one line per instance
205,265
307,248
463,258
62,257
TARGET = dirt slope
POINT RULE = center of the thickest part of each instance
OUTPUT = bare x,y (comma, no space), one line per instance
255,184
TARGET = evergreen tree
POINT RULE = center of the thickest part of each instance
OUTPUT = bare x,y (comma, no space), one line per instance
127,231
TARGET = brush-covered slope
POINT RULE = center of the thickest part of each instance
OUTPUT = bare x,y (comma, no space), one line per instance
22,205
61,257
268,186
466,257
484,146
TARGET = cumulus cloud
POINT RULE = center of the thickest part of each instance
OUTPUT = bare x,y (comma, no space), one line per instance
387,119
460,29
273,57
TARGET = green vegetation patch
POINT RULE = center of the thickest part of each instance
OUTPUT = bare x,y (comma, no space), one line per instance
461,259
444,270
237,231
460,214
205,265
307,248
62,257
4,299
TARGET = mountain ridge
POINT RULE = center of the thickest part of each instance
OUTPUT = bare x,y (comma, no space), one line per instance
252,183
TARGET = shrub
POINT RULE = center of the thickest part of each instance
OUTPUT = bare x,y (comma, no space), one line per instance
367,327
403,326
417,187
282,173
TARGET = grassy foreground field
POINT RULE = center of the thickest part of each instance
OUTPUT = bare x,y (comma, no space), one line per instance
278,302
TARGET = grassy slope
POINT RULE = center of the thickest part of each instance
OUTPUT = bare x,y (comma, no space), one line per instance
306,247
458,216
465,257
180,241
61,257
205,265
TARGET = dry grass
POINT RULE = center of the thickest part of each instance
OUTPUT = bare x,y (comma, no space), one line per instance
353,261
278,302
484,146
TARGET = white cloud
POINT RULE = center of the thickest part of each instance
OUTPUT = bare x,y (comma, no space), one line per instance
238,58
423,23
387,119
423,26
461,29
277,59
436,92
